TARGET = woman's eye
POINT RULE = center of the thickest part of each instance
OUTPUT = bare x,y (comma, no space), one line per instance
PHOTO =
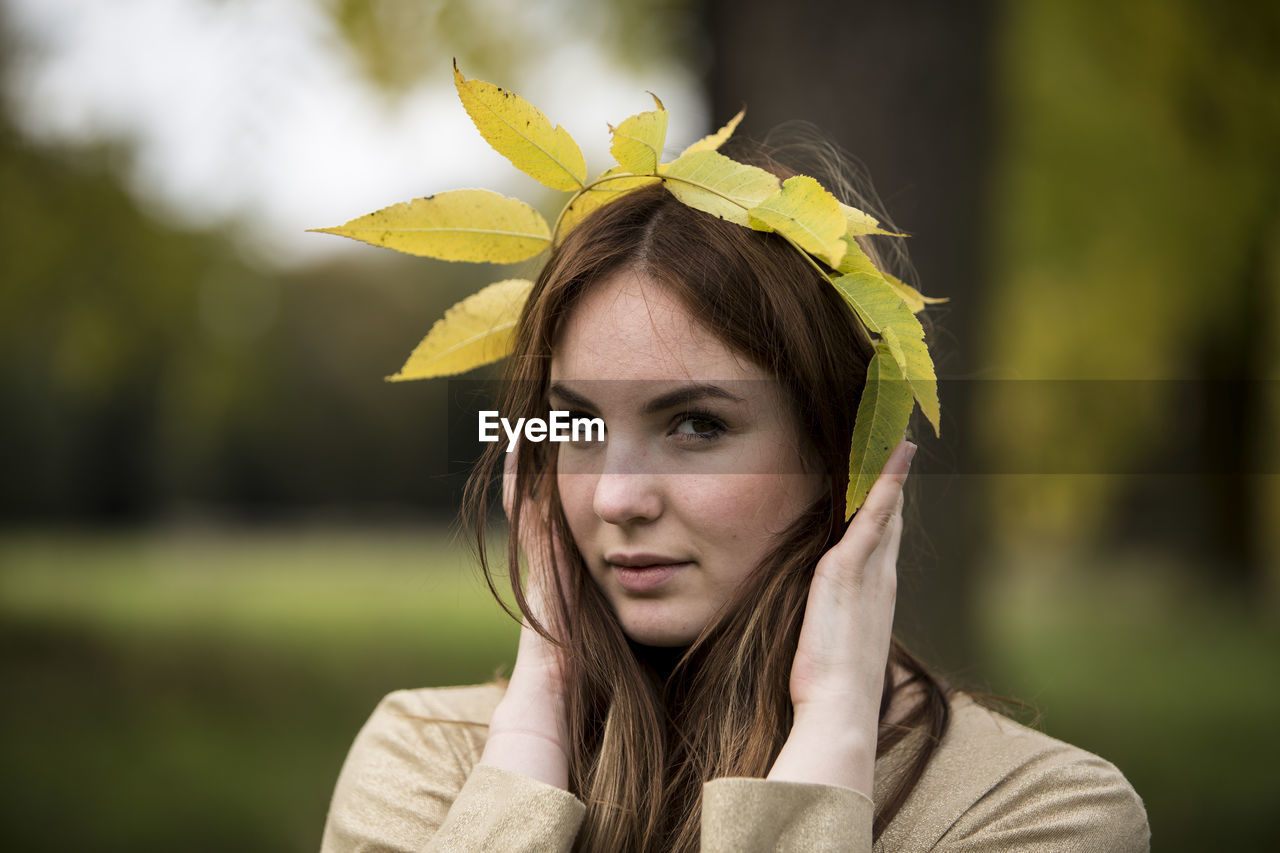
588,433
699,427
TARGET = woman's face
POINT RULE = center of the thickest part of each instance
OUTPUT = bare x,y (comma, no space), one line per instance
700,469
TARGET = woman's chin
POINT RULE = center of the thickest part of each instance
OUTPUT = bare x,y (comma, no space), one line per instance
659,633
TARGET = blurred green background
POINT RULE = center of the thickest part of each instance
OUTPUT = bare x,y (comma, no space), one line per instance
224,538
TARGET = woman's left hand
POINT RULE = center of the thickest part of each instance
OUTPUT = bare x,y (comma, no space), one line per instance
528,732
838,674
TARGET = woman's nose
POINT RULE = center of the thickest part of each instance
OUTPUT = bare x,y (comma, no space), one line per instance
626,493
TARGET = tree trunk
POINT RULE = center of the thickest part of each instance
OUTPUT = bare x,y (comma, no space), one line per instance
904,86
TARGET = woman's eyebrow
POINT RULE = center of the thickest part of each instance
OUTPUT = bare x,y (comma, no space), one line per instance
682,396
688,394
571,397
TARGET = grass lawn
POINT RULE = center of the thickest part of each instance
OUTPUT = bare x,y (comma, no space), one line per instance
199,691
1170,678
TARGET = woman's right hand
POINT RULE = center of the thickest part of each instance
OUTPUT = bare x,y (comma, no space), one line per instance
528,733
837,677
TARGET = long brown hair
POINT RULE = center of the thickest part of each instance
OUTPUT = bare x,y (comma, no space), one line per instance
645,736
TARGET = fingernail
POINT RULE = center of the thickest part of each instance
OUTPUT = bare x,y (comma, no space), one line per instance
911,452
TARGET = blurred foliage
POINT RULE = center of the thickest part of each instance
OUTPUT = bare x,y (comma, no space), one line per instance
399,43
146,369
1137,217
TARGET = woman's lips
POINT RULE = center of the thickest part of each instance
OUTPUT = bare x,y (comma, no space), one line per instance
645,578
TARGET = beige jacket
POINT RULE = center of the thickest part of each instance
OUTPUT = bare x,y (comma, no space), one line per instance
993,785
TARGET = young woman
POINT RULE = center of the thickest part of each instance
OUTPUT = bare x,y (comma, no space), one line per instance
706,661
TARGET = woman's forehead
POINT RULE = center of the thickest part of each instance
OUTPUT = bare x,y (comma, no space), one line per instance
629,327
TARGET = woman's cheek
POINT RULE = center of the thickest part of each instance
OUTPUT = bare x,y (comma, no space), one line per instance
719,510
759,507
576,493
747,498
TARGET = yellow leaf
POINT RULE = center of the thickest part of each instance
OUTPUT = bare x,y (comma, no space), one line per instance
712,142
461,225
859,223
478,330
711,182
608,187
883,414
638,140
915,300
807,215
520,132
879,307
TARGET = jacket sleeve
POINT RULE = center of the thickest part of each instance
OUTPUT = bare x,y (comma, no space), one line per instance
1052,803
409,784
749,815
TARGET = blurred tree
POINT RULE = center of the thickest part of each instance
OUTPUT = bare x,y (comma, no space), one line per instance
83,336
1140,199
904,86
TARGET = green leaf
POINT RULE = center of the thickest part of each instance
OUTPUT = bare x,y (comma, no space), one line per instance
805,213
711,182
713,141
478,330
879,307
883,414
894,345
638,140
610,186
856,260
461,225
520,132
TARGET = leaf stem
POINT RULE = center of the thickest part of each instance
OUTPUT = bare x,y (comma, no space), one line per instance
586,188
861,326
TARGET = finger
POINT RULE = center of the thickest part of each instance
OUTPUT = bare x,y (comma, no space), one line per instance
877,515
508,483
547,580
884,500
899,462
882,565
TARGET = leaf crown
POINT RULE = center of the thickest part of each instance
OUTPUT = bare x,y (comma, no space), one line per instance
479,225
